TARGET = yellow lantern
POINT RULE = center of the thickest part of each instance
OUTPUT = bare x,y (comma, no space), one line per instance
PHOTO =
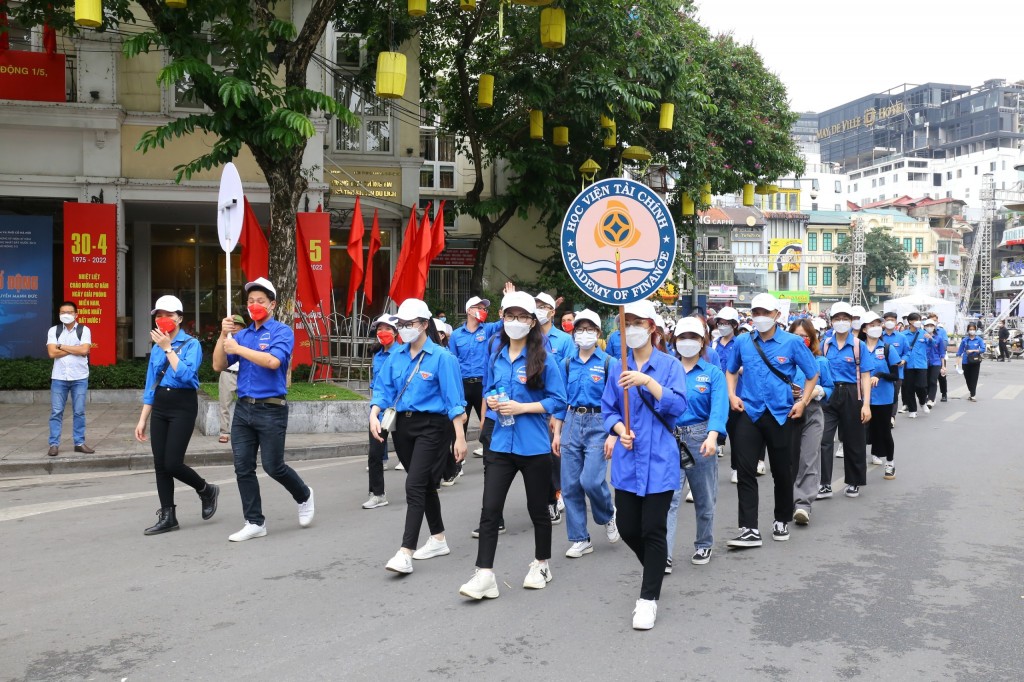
589,170
467,5
417,8
705,194
668,112
688,208
536,124
532,3
89,13
636,153
390,75
761,189
552,27
608,124
748,194
773,189
177,4
485,91
560,136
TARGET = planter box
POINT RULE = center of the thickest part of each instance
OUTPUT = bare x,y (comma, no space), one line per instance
132,396
340,416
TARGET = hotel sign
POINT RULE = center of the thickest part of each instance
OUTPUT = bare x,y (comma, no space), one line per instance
870,117
380,183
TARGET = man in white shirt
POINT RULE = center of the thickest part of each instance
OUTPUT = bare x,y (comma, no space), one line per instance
68,343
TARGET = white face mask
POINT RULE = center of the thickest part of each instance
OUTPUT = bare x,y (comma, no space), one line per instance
636,337
972,332
517,330
688,348
67,318
585,340
763,323
929,330
543,316
875,332
856,323
890,325
916,324
409,334
725,329
842,326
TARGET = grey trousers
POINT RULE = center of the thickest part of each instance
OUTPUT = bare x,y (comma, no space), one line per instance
806,453
226,387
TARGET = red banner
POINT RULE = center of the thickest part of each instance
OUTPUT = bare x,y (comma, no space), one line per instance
313,288
32,76
90,273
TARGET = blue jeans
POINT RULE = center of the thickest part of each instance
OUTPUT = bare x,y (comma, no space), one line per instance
262,427
584,473
59,390
703,479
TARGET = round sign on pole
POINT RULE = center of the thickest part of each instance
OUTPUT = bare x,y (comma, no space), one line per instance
230,208
618,241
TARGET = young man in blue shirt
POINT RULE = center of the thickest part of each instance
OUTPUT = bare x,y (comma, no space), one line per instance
766,407
915,374
560,346
895,340
937,347
263,351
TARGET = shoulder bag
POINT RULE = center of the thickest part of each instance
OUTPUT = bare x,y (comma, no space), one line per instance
390,416
686,460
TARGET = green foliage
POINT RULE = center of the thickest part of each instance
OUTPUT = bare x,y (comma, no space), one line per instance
300,392
884,257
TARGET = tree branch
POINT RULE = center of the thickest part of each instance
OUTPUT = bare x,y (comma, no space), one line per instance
300,53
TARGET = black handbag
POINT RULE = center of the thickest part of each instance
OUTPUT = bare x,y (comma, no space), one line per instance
686,460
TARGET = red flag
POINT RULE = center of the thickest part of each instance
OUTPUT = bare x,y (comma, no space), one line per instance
255,250
374,248
355,252
420,257
399,287
437,234
49,39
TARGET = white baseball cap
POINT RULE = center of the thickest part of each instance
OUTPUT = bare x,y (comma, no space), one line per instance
520,299
263,283
857,311
441,326
545,298
819,323
476,300
643,309
691,325
589,316
728,313
766,301
925,321
659,322
413,309
869,316
171,304
840,307
383,319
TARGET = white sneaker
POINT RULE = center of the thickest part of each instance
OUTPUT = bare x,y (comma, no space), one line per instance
479,452
840,453
912,415
306,511
432,548
930,404
876,460
689,496
611,529
761,468
926,409
538,577
721,451
376,501
248,532
903,408
399,467
482,585
560,505
400,563
580,548
734,478
644,614
385,464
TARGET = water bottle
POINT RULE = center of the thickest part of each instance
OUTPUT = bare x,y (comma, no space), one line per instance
504,419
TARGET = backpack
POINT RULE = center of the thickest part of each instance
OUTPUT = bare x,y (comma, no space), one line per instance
607,359
856,356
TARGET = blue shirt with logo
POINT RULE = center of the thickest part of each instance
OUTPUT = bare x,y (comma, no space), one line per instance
724,351
937,346
878,364
707,397
844,361
470,348
584,382
898,342
916,352
190,356
256,381
760,389
824,377
561,344
379,358
614,345
529,435
435,386
974,344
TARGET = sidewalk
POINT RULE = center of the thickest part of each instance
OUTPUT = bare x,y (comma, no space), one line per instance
24,435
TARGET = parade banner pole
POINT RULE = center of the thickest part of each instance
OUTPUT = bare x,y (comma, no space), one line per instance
622,337
230,215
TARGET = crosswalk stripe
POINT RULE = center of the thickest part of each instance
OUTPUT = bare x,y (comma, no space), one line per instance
1009,393
953,417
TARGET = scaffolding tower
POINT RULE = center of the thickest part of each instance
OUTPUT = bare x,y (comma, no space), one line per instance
857,262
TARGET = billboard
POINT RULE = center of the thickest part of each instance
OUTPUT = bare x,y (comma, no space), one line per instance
90,273
786,255
26,285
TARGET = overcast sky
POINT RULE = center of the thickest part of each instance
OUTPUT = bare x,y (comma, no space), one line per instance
829,53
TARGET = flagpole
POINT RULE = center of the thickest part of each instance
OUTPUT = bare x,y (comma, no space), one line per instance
622,338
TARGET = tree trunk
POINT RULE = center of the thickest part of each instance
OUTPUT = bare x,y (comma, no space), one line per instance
286,187
487,235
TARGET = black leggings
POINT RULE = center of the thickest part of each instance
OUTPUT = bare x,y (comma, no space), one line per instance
170,429
971,371
915,388
422,442
501,469
880,431
643,524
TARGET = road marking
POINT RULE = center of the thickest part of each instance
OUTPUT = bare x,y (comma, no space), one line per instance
953,417
1009,393
26,510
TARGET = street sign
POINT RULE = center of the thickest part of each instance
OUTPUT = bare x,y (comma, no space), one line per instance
230,215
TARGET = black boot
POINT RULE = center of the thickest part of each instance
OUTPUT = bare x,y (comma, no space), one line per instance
166,521
208,496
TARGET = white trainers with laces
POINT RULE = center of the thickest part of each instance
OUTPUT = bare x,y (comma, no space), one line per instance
400,563
560,504
761,468
248,532
399,467
580,548
432,548
876,460
376,501
734,478
644,614
926,409
689,496
611,529
483,585
538,577
306,511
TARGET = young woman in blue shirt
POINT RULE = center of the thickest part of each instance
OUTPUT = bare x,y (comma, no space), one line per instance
645,457
971,349
807,429
883,361
523,371
171,404
421,381
376,462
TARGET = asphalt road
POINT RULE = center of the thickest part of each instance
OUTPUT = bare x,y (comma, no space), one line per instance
920,578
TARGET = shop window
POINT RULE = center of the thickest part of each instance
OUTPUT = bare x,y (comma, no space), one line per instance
438,153
919,245
185,98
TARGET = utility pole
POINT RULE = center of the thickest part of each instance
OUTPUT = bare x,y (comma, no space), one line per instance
988,200
694,300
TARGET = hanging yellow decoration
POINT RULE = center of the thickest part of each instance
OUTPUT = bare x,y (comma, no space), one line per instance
560,136
748,194
417,8
89,13
589,171
467,5
608,124
773,189
485,91
391,75
636,153
552,28
532,3
688,208
536,124
705,194
668,112
761,189
177,4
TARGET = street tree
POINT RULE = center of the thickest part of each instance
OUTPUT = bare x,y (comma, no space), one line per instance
884,257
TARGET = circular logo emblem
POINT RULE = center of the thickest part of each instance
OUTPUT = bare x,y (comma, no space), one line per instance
618,241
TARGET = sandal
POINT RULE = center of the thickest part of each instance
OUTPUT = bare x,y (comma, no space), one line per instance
223,439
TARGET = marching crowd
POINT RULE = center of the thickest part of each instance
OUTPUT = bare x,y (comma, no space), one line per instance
558,405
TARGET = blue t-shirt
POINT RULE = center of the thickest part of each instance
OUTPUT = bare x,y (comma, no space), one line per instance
584,382
760,389
256,381
190,356
937,346
379,358
435,386
898,342
529,435
614,345
561,344
916,350
885,392
844,361
824,377
470,349
970,347
707,397
724,351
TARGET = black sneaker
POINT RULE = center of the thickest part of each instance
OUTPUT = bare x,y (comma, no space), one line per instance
824,492
668,565
556,516
780,531
853,491
501,530
701,556
944,399
890,471
748,537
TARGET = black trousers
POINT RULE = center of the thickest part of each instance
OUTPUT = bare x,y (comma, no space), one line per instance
880,432
422,441
749,441
474,391
1004,351
485,439
843,412
971,371
643,525
376,455
943,385
171,424
915,387
501,469
898,387
934,375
